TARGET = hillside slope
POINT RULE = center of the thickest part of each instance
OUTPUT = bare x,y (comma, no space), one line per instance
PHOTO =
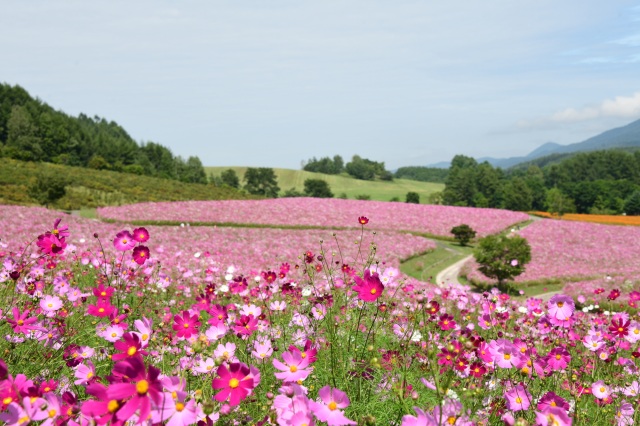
341,184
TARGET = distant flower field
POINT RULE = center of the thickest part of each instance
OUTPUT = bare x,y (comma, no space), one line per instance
194,249
573,250
315,212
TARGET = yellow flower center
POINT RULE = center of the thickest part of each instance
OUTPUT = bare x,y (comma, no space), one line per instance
374,291
114,334
451,420
179,406
112,406
20,322
518,400
560,304
507,356
52,413
132,351
293,368
186,325
103,294
8,400
602,389
101,310
234,383
558,356
142,387
145,337
332,406
89,375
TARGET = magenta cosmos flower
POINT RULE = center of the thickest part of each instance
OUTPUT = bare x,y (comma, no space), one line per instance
294,367
141,235
22,322
140,254
124,241
329,408
553,416
143,388
421,420
561,307
236,383
50,244
186,325
369,288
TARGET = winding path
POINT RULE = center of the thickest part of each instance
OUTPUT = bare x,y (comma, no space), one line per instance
450,274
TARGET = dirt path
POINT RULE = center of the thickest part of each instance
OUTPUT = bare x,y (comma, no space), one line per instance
450,274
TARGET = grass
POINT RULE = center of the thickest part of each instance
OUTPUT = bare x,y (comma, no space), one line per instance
88,188
426,267
377,190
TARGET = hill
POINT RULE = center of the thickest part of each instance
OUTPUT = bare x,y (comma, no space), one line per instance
95,188
627,137
31,130
344,184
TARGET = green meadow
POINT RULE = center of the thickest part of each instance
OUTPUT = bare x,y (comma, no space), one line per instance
344,184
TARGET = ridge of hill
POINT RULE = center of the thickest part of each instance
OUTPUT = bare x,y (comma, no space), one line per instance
89,188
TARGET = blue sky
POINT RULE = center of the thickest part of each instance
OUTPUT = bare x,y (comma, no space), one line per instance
272,83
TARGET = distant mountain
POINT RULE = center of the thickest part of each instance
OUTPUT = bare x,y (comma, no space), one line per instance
620,137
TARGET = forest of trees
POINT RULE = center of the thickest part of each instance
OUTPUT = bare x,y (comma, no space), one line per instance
423,174
358,167
598,182
31,130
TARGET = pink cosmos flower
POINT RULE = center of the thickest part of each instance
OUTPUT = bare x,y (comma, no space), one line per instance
140,254
225,351
592,342
186,325
129,347
50,304
550,399
140,235
205,366
102,308
245,325
558,358
262,350
600,390
124,241
423,419
235,383
21,322
175,410
50,244
369,288
141,386
329,408
553,416
518,398
561,307
294,367
85,373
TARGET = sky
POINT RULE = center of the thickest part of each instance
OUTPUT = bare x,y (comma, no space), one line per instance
264,83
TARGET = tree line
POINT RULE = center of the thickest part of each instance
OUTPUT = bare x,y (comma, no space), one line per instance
31,130
598,182
358,167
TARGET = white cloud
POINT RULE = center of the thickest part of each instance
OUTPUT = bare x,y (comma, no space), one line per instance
618,107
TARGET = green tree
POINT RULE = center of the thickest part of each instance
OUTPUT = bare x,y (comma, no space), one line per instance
47,188
463,233
230,178
558,203
317,188
502,257
632,204
412,197
261,181
517,195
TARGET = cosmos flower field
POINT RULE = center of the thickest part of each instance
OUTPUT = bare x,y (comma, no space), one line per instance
111,323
